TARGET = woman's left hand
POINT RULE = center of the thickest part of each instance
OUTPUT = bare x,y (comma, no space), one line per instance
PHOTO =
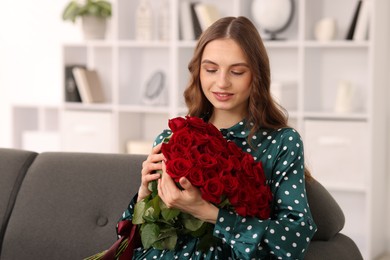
188,200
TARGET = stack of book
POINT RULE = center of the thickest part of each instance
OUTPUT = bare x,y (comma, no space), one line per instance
195,18
358,28
83,85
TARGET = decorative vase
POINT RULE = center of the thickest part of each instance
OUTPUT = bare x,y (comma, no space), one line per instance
325,29
273,16
94,27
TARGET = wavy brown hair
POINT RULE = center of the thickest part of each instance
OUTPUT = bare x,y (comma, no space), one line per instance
263,110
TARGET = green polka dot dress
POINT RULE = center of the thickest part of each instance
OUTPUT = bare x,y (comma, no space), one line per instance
286,235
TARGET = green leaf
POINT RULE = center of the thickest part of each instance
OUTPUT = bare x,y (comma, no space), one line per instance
167,240
168,213
202,230
152,210
139,211
191,223
149,234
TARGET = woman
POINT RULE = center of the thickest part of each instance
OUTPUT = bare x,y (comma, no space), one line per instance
230,88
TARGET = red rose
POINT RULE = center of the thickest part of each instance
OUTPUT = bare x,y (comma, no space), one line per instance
230,184
177,123
234,150
206,161
195,176
178,167
225,165
183,137
174,150
197,124
212,190
215,146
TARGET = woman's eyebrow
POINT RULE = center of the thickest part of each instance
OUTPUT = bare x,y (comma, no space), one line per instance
232,65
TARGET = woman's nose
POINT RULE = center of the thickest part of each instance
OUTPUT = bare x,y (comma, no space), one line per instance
223,80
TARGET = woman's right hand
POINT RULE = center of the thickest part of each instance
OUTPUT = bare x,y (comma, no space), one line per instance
149,167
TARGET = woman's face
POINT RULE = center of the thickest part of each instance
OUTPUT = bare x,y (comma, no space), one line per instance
225,76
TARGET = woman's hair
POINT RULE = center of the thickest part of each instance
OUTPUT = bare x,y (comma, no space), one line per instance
263,111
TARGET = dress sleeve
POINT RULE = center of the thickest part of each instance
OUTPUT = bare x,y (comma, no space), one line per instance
286,235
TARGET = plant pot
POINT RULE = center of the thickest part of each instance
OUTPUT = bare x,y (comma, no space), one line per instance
94,27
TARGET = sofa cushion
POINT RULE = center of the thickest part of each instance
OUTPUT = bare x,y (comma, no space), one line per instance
327,214
69,204
339,247
13,167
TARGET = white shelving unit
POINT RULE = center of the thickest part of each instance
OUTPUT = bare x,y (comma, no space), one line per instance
316,68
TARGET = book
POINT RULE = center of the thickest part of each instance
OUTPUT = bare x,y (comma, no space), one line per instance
361,30
70,87
186,28
195,21
89,85
352,25
207,14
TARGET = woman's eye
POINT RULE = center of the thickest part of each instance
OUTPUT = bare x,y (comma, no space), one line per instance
237,73
211,70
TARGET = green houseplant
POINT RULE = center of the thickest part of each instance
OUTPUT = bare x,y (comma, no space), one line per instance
93,14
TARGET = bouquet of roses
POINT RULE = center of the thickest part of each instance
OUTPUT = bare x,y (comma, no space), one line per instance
226,176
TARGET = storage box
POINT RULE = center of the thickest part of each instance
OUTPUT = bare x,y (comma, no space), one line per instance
87,131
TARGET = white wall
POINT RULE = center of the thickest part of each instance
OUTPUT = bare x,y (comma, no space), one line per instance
31,34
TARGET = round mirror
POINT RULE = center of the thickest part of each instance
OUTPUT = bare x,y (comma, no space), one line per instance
154,87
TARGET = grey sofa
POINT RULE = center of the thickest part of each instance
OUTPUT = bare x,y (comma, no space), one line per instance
58,205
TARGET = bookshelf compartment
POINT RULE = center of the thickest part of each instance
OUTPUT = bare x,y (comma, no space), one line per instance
283,62
140,127
102,61
140,64
341,11
325,70
75,55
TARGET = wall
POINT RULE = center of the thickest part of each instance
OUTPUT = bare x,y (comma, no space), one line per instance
30,55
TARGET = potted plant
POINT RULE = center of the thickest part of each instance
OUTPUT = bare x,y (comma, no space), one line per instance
93,14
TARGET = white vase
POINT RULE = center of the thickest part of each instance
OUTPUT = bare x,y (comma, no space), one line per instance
94,27
325,29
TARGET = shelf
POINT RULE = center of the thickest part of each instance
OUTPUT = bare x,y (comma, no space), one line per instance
335,116
336,44
90,107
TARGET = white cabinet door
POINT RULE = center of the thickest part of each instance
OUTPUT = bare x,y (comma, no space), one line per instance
87,131
337,152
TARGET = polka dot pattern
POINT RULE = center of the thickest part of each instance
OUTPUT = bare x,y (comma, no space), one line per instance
286,235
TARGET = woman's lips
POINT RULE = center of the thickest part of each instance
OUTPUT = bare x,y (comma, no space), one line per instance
222,96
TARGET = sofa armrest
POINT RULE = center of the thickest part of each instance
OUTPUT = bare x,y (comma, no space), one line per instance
13,167
326,213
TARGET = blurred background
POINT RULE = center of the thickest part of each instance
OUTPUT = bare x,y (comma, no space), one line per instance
330,69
